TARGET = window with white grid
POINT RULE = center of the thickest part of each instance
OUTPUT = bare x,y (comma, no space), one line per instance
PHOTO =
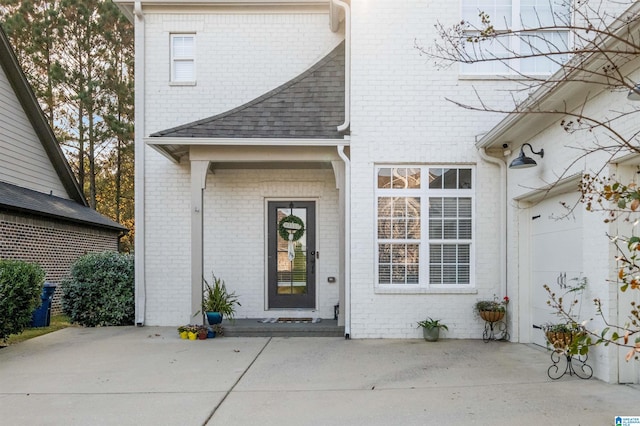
183,58
424,218
545,49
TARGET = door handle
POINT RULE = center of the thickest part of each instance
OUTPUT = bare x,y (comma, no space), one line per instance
316,254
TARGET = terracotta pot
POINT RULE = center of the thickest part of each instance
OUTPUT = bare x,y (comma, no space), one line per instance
491,316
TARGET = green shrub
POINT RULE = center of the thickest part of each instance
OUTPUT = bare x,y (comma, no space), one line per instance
100,290
20,289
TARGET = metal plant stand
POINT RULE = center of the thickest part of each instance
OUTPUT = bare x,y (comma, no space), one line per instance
495,330
575,364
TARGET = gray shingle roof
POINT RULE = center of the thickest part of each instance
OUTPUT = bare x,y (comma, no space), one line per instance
16,198
310,106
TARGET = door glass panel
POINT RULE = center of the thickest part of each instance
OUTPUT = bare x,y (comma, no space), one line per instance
292,274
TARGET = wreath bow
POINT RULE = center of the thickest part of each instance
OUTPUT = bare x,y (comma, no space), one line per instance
291,228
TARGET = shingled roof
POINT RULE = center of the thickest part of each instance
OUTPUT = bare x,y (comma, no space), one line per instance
310,106
16,198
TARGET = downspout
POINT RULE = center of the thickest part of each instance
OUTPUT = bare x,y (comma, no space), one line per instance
347,241
140,286
335,25
503,217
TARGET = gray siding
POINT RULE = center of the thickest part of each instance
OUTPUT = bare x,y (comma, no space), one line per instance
23,160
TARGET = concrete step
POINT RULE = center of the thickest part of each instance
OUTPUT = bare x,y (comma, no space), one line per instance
255,328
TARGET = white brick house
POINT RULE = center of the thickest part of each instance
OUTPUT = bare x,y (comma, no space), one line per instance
247,111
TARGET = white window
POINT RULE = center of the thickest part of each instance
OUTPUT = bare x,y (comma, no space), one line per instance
529,53
424,226
183,58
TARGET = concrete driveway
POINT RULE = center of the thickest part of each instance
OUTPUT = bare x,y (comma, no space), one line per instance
148,376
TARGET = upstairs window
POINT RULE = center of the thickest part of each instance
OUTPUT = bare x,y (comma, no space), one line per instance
533,36
424,226
183,58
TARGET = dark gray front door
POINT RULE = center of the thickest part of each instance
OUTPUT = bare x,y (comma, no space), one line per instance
292,269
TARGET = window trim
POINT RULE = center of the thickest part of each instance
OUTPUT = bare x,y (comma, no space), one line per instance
173,60
424,193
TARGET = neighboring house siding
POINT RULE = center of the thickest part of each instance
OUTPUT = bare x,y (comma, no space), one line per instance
52,244
239,57
24,161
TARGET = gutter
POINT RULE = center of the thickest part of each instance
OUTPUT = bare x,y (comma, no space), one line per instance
503,217
335,25
347,242
140,284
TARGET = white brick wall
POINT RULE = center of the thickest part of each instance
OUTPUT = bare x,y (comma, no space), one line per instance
168,249
400,115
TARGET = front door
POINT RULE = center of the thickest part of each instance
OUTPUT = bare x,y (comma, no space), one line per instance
292,260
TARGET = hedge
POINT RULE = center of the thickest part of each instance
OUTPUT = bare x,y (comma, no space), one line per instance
100,291
20,288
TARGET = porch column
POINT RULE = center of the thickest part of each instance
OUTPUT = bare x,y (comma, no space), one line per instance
338,172
343,182
198,183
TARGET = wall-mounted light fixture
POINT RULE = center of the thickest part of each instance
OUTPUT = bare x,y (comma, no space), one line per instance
522,161
634,94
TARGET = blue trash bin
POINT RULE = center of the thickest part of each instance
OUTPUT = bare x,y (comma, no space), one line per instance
42,316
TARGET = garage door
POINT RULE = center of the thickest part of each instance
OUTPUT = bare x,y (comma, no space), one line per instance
556,254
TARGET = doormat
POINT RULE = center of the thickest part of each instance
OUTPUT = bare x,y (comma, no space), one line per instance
286,320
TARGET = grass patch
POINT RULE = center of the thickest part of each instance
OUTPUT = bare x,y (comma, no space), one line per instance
58,322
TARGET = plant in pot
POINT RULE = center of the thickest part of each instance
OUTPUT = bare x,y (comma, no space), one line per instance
202,332
492,310
566,337
431,329
183,330
217,302
192,331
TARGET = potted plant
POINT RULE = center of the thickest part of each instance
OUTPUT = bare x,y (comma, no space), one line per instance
492,310
431,329
217,302
563,336
183,330
202,332
217,330
192,331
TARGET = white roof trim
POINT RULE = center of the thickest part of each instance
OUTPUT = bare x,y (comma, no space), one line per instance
159,141
563,186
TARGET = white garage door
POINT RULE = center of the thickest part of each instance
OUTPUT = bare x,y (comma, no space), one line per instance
556,254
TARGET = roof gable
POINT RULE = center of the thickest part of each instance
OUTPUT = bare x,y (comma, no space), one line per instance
29,103
310,106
